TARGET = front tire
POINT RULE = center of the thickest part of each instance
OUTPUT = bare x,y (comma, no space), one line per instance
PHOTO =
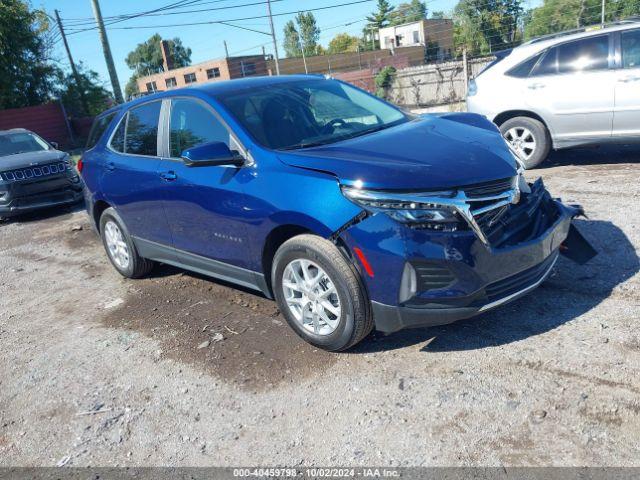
320,293
120,247
529,138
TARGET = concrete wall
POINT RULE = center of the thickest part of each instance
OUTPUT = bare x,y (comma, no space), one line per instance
434,84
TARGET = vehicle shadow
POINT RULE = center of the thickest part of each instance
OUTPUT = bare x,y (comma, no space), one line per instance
597,155
44,214
571,291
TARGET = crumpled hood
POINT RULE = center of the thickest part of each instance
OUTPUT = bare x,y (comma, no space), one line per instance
427,153
28,159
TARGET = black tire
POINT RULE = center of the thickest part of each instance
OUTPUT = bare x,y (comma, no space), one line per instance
539,133
137,266
356,320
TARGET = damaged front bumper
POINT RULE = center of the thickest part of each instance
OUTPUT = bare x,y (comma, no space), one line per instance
457,275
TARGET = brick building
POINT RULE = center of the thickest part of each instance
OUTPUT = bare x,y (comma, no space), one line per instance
209,71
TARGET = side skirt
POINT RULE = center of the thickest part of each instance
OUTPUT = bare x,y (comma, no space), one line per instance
206,266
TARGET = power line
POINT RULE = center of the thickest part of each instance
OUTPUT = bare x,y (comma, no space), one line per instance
212,22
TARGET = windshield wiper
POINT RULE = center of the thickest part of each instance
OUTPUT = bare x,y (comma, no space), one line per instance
301,145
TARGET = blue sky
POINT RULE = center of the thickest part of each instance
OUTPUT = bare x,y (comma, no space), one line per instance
206,41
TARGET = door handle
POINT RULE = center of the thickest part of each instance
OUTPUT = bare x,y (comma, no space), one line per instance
169,176
110,166
536,86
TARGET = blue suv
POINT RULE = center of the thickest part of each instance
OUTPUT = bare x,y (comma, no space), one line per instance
350,212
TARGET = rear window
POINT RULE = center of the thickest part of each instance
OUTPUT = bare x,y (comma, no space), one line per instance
98,128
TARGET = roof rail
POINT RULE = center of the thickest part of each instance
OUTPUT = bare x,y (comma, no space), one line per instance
588,28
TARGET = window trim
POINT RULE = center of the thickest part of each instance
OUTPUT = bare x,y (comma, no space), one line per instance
611,57
166,129
125,118
195,79
213,69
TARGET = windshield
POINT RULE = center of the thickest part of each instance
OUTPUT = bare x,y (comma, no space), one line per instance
309,113
23,142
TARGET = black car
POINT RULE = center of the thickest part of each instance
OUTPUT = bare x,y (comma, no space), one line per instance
34,175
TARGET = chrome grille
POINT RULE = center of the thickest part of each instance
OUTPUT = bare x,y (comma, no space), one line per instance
487,189
487,203
29,173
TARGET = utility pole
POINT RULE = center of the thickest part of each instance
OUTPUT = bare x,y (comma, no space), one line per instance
603,12
113,75
76,77
226,50
304,58
273,36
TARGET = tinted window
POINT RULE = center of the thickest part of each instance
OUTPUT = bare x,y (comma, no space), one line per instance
584,55
117,141
142,130
522,70
548,65
193,124
98,128
631,49
14,143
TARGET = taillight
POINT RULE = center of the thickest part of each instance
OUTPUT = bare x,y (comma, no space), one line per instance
80,165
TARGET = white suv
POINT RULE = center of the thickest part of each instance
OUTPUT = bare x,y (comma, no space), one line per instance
565,90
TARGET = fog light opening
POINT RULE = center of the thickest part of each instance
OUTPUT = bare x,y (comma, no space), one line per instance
408,284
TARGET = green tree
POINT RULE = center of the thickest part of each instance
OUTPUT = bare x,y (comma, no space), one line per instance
291,40
413,11
146,59
437,15
26,75
379,19
343,42
97,96
304,33
309,32
558,15
486,26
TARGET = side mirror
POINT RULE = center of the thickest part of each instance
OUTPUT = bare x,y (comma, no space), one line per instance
210,154
55,145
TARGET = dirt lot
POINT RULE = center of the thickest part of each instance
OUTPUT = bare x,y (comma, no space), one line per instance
98,370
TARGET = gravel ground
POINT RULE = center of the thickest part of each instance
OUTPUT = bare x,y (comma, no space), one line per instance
177,369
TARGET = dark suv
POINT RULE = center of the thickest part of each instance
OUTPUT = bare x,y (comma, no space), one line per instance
34,174
347,210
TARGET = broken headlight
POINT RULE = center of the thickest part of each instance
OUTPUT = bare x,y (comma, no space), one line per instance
420,210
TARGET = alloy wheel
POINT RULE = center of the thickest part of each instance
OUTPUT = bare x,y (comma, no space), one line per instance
311,297
522,141
118,248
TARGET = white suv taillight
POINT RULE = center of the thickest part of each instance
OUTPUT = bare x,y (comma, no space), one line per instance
472,88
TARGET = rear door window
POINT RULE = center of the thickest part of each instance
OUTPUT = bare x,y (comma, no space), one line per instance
142,130
584,55
98,128
631,49
548,65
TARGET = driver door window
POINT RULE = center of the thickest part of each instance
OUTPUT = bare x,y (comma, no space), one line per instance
193,124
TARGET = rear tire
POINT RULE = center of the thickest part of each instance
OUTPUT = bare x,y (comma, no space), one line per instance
120,247
331,321
529,137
